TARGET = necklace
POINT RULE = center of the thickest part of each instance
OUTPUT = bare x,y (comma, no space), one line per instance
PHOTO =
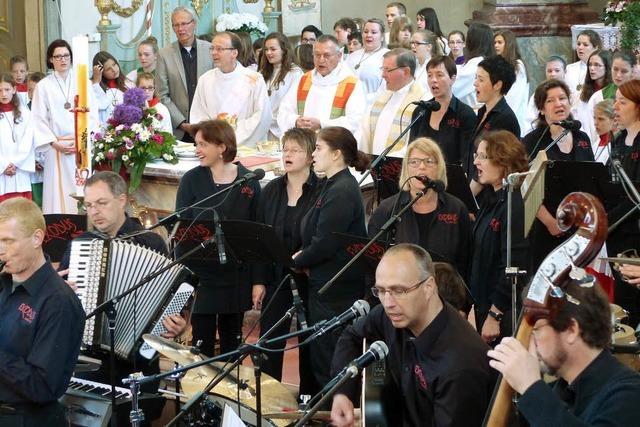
364,58
67,104
11,127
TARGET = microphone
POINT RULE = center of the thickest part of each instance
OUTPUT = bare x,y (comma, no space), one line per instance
435,184
358,309
377,351
256,174
222,255
297,302
569,124
432,105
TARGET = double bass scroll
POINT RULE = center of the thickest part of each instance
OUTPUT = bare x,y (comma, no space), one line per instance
545,297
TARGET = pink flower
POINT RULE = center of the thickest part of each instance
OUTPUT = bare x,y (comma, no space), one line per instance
159,116
128,143
110,155
157,138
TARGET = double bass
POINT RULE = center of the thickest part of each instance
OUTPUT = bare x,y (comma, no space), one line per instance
545,296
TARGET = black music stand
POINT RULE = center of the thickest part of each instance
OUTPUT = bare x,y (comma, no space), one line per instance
61,229
458,185
190,234
253,242
386,175
564,177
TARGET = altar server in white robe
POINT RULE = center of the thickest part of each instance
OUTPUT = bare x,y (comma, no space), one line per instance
54,130
233,93
367,61
17,161
587,42
109,84
328,95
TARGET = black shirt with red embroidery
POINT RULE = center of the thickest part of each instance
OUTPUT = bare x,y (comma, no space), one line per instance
488,283
446,234
438,378
454,133
539,138
41,326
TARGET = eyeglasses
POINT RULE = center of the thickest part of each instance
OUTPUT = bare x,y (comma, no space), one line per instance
455,42
427,161
181,24
220,49
418,43
388,70
307,41
396,292
61,57
148,88
482,157
99,205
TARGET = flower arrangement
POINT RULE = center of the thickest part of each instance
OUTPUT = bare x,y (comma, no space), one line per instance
132,138
625,13
237,22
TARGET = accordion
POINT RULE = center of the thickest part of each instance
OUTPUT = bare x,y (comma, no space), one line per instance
103,269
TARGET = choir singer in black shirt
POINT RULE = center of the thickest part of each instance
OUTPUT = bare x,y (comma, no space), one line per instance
437,364
338,208
438,221
41,323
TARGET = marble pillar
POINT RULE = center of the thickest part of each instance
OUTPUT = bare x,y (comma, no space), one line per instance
108,37
543,28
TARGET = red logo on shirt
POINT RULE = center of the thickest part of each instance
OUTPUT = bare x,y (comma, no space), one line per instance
494,224
420,375
448,218
454,123
248,191
634,156
28,313
583,144
486,126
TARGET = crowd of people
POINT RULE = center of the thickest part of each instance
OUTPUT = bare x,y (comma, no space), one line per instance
335,102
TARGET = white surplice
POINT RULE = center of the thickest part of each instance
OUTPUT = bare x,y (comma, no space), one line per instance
53,122
16,147
242,93
367,67
277,94
320,101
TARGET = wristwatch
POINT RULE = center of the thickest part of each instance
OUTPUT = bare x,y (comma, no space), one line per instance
496,315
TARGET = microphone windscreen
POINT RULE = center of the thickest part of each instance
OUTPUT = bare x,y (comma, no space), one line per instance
259,173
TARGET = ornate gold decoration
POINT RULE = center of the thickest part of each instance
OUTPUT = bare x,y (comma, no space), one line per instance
126,12
251,1
104,7
198,5
267,6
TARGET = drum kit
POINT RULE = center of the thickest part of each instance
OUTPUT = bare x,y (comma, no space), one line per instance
237,390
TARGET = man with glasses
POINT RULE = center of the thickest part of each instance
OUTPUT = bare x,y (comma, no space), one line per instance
310,34
328,95
389,114
593,388
437,363
179,67
105,198
41,323
233,93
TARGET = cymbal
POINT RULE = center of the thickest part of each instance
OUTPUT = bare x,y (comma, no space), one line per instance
178,353
296,415
275,396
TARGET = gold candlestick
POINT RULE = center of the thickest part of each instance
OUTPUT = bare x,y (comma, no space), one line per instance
267,6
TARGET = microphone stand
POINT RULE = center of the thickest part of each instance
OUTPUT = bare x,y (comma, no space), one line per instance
512,272
167,219
391,221
382,156
626,181
109,309
564,133
344,376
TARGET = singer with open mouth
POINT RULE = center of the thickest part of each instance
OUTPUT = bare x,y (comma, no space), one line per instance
498,155
338,208
226,290
552,99
434,214
437,374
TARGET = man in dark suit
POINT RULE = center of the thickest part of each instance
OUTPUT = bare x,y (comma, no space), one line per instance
180,65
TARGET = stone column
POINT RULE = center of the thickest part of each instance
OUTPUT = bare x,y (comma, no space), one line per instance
271,17
543,28
108,38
